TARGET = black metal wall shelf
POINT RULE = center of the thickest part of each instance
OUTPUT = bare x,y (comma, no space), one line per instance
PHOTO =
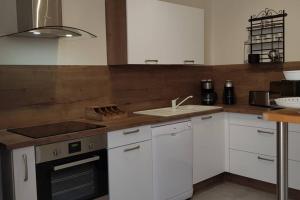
267,35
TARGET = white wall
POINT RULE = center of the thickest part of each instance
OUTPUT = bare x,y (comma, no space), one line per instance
193,3
230,19
85,14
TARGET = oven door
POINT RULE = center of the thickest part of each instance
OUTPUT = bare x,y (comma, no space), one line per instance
82,177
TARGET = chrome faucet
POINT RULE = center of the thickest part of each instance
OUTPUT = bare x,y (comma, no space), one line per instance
174,102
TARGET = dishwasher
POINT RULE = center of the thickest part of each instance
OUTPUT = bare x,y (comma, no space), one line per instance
173,160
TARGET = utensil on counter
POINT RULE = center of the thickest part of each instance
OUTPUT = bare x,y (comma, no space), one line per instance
104,113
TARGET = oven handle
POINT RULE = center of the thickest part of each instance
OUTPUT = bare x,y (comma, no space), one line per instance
76,163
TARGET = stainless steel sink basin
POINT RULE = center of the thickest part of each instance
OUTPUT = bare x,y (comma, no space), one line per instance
181,110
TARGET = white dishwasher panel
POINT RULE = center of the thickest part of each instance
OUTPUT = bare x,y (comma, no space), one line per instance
173,161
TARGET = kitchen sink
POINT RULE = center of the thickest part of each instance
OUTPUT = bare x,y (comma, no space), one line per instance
181,110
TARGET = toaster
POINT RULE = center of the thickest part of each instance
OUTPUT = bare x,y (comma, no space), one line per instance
262,98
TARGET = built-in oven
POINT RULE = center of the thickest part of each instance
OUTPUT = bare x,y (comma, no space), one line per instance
73,170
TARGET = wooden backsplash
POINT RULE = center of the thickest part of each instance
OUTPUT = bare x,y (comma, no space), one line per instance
39,94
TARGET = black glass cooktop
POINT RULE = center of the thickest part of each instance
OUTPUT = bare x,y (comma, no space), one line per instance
54,129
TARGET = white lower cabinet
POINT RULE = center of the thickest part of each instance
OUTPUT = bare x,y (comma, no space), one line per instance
209,146
130,167
252,149
24,174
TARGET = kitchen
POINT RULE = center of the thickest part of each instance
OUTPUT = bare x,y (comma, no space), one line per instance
144,56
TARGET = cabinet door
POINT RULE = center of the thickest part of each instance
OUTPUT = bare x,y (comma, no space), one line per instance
142,32
164,33
130,172
24,174
209,146
181,34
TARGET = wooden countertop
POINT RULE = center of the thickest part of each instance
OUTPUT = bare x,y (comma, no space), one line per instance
283,115
10,140
245,109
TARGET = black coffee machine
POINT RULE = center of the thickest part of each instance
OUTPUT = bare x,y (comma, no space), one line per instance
208,95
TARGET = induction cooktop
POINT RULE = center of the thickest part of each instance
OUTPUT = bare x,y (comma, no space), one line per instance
54,129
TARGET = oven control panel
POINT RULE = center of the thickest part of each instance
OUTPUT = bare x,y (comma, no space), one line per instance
75,147
49,152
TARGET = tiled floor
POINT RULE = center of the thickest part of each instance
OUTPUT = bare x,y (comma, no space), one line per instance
231,191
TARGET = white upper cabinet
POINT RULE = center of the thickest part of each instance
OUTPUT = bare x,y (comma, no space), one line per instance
164,33
142,34
181,34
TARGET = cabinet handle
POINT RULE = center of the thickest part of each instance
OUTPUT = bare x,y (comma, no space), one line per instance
265,159
131,132
189,62
132,149
266,132
151,61
206,118
26,167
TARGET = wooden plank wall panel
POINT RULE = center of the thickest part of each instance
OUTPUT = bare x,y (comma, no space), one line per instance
245,79
75,84
143,87
41,94
26,85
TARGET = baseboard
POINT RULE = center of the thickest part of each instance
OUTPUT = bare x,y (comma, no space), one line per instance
241,180
211,182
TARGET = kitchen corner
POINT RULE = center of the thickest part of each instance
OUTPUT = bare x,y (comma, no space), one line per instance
149,100
139,94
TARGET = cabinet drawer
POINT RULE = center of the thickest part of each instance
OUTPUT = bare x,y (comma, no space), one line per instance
252,139
128,136
294,174
250,120
294,147
294,127
252,165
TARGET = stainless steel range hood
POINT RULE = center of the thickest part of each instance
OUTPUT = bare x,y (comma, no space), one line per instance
37,18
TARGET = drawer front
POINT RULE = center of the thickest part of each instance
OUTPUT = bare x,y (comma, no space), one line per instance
252,139
128,136
294,146
250,120
252,165
294,127
294,174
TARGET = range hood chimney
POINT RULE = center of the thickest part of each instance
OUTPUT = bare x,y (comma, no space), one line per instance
40,18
